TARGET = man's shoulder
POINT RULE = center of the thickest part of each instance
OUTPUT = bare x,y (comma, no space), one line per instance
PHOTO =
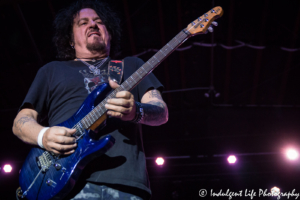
132,59
133,62
55,65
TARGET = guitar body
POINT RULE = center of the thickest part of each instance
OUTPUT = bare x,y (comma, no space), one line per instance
59,179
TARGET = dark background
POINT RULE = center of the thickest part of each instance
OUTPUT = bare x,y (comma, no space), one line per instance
253,104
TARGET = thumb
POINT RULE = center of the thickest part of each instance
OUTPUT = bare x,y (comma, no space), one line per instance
113,84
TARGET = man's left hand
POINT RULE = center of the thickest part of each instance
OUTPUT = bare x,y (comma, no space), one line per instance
123,106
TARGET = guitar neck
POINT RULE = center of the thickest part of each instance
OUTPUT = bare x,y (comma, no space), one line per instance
135,78
152,63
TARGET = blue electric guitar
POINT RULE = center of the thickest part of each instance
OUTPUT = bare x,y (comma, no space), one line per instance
45,175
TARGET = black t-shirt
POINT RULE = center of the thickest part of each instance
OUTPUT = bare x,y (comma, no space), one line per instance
59,89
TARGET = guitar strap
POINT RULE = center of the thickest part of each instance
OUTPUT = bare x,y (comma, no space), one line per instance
115,70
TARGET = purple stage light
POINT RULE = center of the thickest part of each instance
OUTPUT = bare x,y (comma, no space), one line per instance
159,161
7,168
231,159
292,154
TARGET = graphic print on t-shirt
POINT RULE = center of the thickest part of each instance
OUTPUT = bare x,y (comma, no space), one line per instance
91,81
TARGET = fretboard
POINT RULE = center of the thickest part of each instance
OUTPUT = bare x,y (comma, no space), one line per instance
135,78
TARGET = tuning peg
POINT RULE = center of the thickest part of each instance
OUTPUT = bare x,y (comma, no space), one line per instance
214,23
210,29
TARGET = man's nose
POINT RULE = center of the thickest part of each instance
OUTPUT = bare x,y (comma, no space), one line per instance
93,23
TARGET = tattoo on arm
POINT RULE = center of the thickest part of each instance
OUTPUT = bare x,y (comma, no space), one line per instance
20,123
154,94
155,112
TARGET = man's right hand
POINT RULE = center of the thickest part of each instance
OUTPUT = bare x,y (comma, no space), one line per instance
59,140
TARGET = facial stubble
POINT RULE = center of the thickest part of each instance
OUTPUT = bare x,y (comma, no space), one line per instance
97,45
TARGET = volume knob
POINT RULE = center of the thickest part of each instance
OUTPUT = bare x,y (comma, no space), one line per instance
57,166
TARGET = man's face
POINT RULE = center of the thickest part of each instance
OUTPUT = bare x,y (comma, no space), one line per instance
90,34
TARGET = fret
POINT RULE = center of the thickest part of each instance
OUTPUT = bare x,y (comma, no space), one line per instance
127,86
182,36
175,42
152,61
119,89
81,124
179,37
176,39
165,50
81,129
147,67
133,79
156,58
162,52
98,114
84,122
142,67
130,80
138,74
93,115
89,116
149,63
160,55
122,86
88,120
100,108
170,46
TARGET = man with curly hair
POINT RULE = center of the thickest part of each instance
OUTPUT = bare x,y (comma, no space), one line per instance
86,33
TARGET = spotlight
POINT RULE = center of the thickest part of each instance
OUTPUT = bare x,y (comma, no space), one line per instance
7,168
231,159
211,92
275,191
292,154
159,161
217,95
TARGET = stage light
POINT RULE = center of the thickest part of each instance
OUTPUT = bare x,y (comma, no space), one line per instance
292,154
275,191
231,159
7,168
217,95
159,161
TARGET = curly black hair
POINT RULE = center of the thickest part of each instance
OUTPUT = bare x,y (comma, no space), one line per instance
63,25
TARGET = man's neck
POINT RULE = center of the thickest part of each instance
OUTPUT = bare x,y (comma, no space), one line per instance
91,56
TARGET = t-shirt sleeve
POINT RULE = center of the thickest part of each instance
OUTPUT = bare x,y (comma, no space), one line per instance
150,82
36,97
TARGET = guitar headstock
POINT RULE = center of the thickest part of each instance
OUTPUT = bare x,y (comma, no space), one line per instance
201,24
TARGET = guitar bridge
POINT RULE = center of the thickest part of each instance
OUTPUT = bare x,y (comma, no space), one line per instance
44,161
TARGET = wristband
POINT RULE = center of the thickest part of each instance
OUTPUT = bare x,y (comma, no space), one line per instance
139,115
40,137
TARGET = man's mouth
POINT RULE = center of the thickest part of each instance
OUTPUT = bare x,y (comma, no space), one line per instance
93,33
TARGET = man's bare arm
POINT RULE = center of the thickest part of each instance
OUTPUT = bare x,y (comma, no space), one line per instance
56,139
26,127
155,109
